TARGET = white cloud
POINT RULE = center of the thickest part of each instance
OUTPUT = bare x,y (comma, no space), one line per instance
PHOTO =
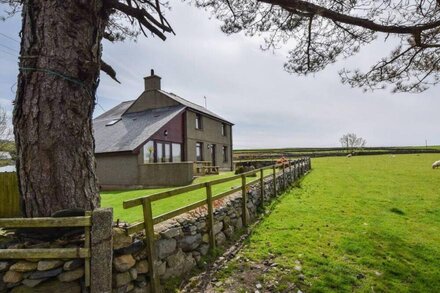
249,87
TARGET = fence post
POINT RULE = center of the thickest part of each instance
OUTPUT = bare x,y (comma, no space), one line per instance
297,170
101,248
293,172
244,202
151,249
210,217
292,179
261,187
87,245
274,180
284,177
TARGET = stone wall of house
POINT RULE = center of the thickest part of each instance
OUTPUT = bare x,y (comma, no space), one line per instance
166,174
182,242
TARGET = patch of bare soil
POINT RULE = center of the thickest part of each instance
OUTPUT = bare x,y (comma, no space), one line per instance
244,275
203,282
234,273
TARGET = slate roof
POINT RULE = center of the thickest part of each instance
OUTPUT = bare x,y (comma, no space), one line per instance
116,111
132,129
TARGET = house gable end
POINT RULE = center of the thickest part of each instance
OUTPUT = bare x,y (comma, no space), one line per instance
174,132
149,100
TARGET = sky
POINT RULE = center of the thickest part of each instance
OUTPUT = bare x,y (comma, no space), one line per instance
269,107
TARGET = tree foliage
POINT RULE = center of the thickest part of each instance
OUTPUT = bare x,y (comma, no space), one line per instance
321,32
124,19
352,142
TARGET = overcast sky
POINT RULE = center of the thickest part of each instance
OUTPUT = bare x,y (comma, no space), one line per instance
247,86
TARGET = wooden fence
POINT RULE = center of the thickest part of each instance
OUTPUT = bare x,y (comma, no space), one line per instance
9,196
149,220
51,253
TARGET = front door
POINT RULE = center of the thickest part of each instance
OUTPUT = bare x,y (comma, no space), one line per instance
212,149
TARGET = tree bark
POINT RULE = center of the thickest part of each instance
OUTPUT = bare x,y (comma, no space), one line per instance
59,74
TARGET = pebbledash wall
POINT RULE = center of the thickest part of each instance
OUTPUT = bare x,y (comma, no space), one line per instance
180,244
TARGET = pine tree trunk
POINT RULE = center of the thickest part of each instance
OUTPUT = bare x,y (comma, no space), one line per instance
59,72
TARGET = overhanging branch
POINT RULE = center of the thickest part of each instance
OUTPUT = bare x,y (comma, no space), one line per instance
144,18
109,70
307,7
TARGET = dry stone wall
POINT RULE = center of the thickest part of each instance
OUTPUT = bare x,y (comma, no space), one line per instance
42,275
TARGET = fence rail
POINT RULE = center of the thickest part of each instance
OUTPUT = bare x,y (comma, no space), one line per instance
51,253
149,220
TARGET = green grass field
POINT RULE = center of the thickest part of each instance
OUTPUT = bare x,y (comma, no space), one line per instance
364,224
115,199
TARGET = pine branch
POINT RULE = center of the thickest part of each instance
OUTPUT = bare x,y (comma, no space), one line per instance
109,70
145,19
307,7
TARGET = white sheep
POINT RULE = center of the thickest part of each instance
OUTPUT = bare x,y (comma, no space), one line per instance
436,164
349,155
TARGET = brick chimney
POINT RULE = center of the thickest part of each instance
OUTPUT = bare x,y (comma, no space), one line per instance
152,82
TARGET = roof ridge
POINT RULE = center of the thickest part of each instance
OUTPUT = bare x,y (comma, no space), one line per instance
185,99
194,106
108,112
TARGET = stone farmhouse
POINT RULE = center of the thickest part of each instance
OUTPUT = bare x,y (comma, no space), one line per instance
159,139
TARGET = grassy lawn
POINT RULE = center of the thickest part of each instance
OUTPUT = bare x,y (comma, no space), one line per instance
364,224
115,199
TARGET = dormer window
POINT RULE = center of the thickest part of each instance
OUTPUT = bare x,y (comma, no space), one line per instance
198,121
113,122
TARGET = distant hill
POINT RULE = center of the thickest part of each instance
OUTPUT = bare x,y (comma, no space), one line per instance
264,154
